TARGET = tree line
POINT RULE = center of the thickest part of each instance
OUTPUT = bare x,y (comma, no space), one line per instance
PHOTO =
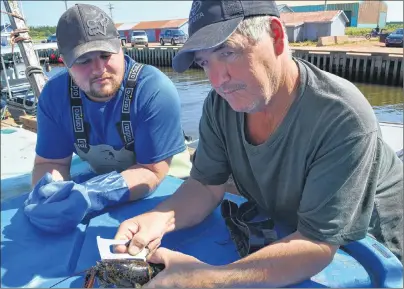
41,32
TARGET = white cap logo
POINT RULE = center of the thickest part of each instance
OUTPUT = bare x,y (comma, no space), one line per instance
194,14
98,25
196,5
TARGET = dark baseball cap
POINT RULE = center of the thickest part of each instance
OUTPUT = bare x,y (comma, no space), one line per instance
85,28
212,22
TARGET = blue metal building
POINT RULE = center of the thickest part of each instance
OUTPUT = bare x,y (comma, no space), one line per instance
363,14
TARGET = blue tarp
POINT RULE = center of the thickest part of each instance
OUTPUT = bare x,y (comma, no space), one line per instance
32,258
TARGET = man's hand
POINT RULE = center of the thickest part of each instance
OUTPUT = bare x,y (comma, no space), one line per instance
178,271
188,206
56,206
59,206
145,230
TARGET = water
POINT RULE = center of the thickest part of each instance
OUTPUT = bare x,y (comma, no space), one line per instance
193,87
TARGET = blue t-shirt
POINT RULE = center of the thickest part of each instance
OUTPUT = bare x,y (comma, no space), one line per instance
155,117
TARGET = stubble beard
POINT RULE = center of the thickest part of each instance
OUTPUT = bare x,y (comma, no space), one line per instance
105,93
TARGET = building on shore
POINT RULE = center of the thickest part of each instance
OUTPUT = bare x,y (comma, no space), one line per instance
152,28
283,8
362,14
302,26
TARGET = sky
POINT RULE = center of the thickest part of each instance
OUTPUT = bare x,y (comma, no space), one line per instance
38,13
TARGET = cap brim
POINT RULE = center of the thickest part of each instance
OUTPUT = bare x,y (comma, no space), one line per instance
207,37
109,45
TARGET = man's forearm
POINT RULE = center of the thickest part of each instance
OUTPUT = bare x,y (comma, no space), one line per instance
141,181
59,172
190,204
286,262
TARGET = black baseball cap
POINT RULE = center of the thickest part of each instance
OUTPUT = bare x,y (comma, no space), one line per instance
212,22
85,28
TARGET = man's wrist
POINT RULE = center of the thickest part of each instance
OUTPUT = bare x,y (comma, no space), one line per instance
105,190
167,218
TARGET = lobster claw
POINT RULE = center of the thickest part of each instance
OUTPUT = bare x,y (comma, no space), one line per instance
90,278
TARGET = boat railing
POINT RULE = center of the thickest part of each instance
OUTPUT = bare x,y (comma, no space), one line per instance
17,93
5,75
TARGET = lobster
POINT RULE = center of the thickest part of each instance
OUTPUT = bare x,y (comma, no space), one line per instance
122,273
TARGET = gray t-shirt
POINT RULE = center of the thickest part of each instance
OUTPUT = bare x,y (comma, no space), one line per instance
325,171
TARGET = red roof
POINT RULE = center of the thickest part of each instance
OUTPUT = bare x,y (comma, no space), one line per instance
301,17
174,23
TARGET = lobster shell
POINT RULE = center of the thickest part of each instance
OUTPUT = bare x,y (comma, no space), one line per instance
122,273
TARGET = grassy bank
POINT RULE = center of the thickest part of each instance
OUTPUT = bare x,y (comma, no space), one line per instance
356,31
303,43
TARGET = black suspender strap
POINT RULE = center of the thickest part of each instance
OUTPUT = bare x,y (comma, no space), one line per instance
80,127
124,127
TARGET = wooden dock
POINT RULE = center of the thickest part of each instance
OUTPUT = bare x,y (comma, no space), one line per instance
372,67
378,68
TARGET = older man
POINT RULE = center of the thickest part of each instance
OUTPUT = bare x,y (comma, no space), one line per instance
120,116
303,145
